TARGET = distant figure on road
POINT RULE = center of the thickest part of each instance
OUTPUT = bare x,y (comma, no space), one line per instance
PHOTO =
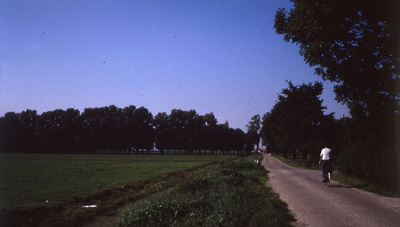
325,160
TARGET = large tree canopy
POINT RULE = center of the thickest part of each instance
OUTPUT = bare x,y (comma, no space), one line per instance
297,122
353,43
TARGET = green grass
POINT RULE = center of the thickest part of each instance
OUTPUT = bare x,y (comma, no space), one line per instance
113,181
364,185
232,194
27,180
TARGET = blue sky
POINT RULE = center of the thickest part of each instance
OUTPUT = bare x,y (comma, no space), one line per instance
208,55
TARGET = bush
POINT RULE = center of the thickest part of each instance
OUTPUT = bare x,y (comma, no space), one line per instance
372,162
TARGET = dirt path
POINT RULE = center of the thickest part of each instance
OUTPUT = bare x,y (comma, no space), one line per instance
314,204
106,221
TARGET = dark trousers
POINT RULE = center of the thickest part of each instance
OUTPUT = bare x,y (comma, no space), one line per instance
326,164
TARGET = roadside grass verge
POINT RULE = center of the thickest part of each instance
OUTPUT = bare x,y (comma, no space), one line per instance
231,194
363,185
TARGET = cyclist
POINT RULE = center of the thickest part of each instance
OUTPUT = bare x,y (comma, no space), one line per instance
325,160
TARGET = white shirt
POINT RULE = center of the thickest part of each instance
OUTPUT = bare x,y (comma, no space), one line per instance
325,153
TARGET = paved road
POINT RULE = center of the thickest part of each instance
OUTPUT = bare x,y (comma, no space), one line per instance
314,204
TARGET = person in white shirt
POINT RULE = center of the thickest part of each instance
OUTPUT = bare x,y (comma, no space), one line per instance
325,160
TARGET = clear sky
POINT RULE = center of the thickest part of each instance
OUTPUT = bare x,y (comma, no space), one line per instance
217,56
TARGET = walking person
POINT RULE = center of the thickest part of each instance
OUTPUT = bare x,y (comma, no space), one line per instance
325,160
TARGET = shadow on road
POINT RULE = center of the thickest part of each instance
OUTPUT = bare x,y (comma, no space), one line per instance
267,171
339,186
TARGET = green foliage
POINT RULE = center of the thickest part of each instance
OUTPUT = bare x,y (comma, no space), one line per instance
351,43
230,195
297,123
253,131
365,185
114,130
56,130
17,132
372,162
355,45
186,130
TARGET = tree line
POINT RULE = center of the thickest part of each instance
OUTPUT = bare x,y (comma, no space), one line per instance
355,45
124,130
297,124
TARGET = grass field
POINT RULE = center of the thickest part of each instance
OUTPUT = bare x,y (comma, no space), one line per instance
31,179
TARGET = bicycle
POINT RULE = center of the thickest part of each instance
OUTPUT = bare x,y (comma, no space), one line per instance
328,170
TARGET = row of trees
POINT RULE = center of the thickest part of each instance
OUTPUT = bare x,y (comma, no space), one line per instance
297,124
354,44
110,129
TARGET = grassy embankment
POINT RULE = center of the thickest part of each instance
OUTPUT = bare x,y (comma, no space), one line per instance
345,179
230,194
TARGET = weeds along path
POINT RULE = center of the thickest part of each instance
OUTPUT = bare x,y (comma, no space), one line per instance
106,221
230,194
314,204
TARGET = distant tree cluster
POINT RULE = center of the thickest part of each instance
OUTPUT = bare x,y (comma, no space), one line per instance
112,129
188,131
253,133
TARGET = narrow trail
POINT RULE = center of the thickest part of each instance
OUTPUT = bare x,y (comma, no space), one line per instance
314,204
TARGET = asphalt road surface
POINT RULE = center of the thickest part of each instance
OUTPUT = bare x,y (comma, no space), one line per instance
315,204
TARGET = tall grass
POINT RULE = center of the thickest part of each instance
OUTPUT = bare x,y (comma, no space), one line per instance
229,195
374,163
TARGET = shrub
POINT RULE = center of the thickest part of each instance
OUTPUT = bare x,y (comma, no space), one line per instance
372,162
